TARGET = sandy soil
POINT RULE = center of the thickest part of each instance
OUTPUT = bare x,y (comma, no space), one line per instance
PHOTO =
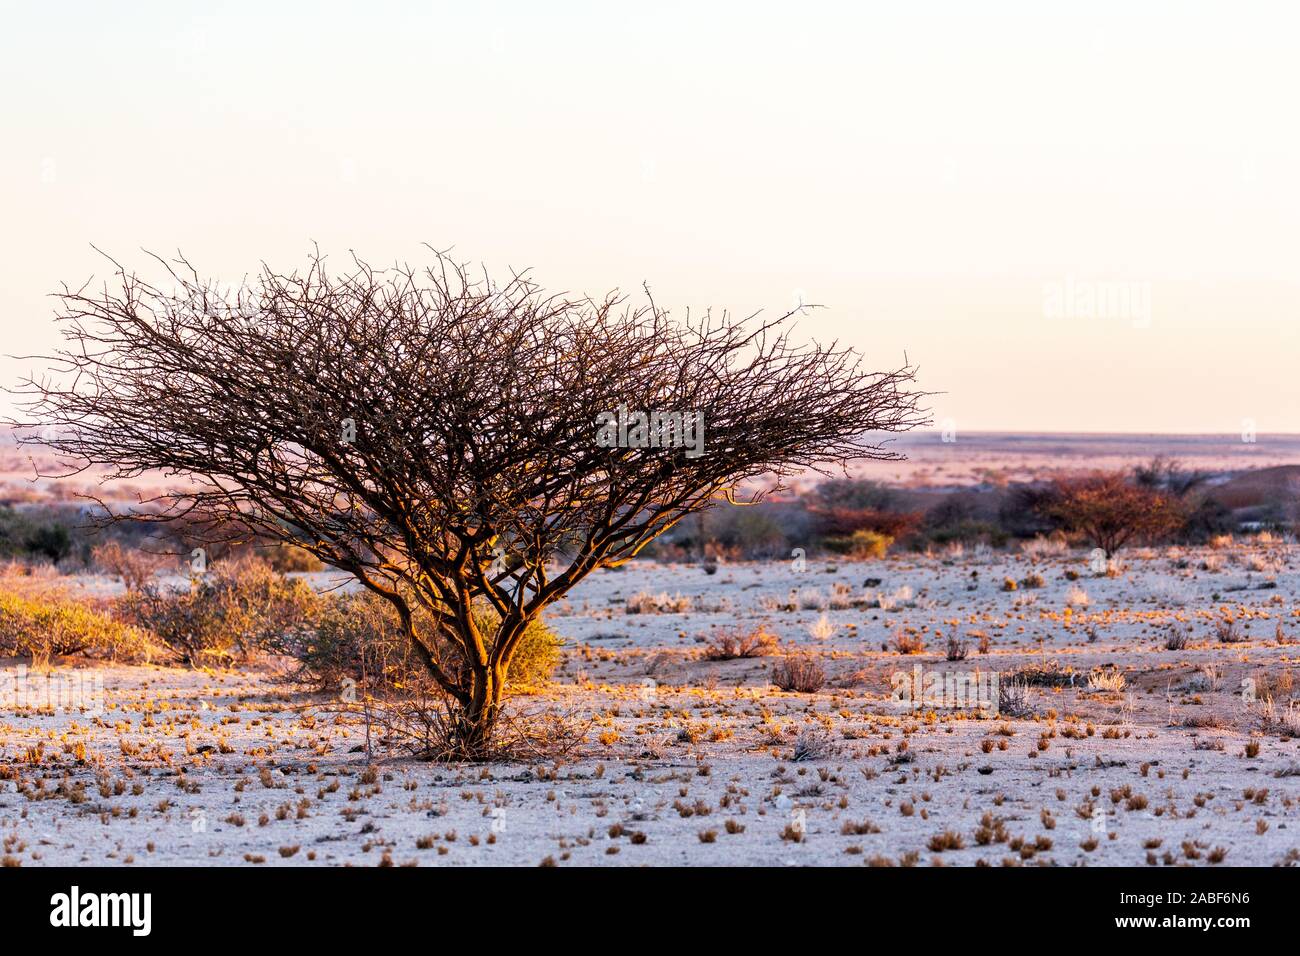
687,760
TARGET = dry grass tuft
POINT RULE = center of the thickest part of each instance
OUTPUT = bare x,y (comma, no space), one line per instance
734,643
800,674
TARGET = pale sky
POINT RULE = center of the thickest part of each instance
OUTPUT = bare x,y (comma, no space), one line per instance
954,181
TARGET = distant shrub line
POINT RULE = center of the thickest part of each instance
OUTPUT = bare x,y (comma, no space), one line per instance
863,519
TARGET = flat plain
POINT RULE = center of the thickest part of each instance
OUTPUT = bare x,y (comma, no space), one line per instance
1112,748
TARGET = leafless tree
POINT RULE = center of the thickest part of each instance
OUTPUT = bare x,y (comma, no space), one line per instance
1163,473
434,432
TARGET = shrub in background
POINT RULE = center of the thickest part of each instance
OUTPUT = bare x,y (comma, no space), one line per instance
801,674
736,642
34,533
861,545
133,567
50,541
1110,511
50,624
358,636
854,494
536,657
230,611
288,559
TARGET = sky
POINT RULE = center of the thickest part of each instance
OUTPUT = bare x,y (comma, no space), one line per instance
1071,217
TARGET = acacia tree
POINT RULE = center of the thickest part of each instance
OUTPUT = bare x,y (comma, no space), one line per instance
434,432
1110,511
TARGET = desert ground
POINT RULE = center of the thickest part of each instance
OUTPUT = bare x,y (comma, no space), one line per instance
955,458
1119,751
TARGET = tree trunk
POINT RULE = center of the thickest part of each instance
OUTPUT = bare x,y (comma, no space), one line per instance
478,717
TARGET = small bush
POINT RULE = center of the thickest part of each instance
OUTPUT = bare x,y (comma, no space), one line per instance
229,612
812,599
865,544
731,643
947,840
135,569
1041,547
821,629
906,643
900,597
1177,637
52,625
800,674
644,602
841,596
1013,699
813,744
1104,678
289,558
1227,631
354,636
358,636
1286,721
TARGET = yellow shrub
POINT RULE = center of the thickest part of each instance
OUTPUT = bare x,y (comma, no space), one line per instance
53,625
358,635
865,543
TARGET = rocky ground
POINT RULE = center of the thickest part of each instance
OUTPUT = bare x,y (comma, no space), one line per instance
1114,749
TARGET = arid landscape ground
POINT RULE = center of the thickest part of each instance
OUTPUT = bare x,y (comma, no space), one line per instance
482,439
1120,750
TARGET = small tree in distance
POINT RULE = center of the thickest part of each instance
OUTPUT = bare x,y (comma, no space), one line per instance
1110,511
434,433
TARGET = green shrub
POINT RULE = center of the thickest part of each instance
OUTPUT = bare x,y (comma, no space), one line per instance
50,541
33,534
354,636
50,625
358,636
537,655
862,544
